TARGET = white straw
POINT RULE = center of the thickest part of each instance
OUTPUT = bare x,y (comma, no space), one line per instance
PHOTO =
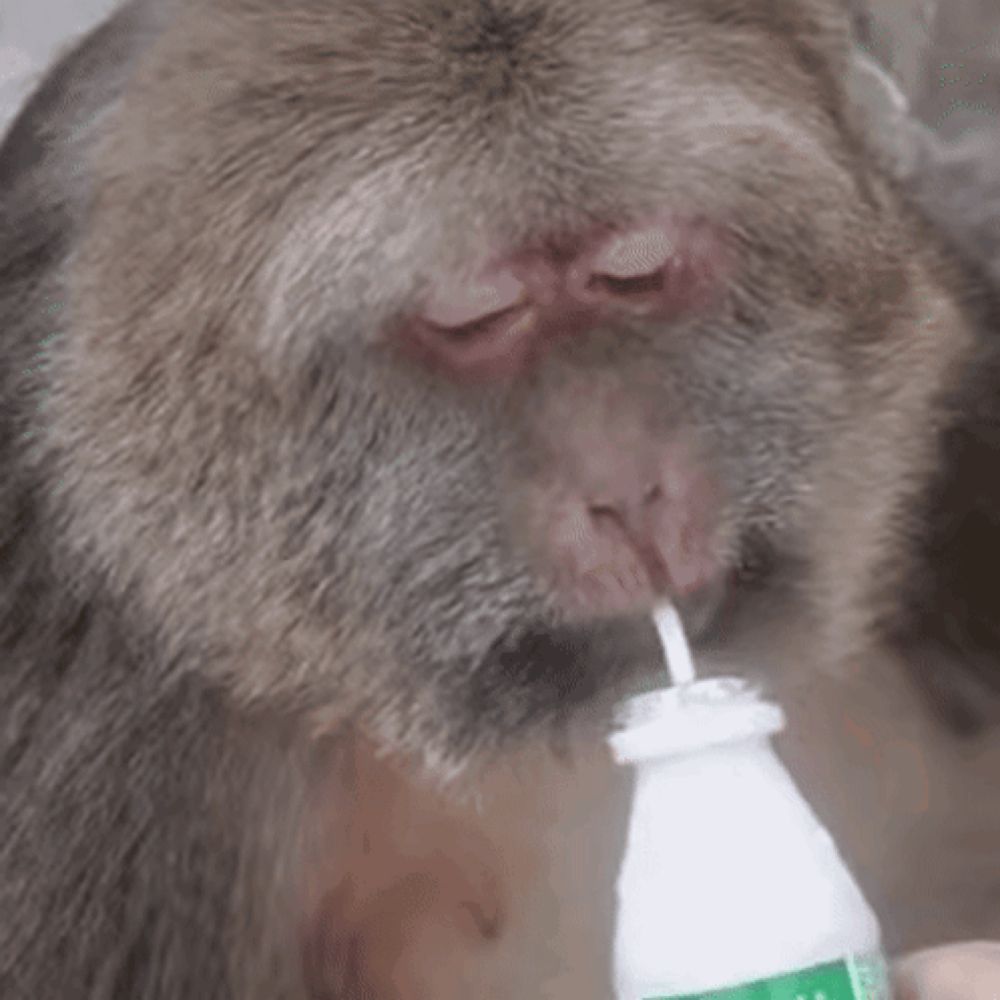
680,666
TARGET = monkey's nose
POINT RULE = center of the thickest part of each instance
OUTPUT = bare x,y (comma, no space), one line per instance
637,538
633,521
660,532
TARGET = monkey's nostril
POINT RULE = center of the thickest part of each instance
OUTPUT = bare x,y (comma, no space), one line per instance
604,511
620,509
653,492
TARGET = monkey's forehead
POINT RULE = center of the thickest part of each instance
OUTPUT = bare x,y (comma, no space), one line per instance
521,116
330,142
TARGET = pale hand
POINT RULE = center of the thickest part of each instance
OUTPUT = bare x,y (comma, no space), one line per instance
969,970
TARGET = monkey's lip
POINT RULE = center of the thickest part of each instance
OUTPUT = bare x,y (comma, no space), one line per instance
726,588
575,662
597,656
639,573
613,595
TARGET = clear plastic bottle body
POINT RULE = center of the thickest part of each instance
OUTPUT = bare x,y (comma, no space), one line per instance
728,878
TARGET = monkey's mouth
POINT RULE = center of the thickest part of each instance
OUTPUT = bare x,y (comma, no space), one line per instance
542,675
706,590
581,659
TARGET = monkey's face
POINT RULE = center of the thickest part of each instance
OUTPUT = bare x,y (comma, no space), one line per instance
421,346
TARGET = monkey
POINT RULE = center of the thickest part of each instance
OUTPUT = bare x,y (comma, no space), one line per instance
370,372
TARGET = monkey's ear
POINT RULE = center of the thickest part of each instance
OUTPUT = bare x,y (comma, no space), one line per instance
881,113
869,99
877,106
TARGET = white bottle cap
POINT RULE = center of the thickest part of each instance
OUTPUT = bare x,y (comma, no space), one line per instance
676,720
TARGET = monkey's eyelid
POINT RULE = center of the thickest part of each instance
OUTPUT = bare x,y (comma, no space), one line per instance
475,301
479,326
636,255
636,285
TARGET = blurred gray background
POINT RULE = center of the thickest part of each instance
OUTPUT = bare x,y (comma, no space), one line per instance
31,34
944,53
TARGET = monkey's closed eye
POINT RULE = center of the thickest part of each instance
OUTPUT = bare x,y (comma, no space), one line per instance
624,287
490,344
481,326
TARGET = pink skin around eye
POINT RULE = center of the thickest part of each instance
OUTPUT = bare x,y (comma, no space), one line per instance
499,320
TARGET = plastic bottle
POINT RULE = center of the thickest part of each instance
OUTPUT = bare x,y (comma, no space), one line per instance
730,887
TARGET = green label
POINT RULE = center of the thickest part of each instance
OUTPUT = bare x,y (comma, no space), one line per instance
855,978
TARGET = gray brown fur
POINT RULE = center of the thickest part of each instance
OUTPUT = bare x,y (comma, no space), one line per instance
233,527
